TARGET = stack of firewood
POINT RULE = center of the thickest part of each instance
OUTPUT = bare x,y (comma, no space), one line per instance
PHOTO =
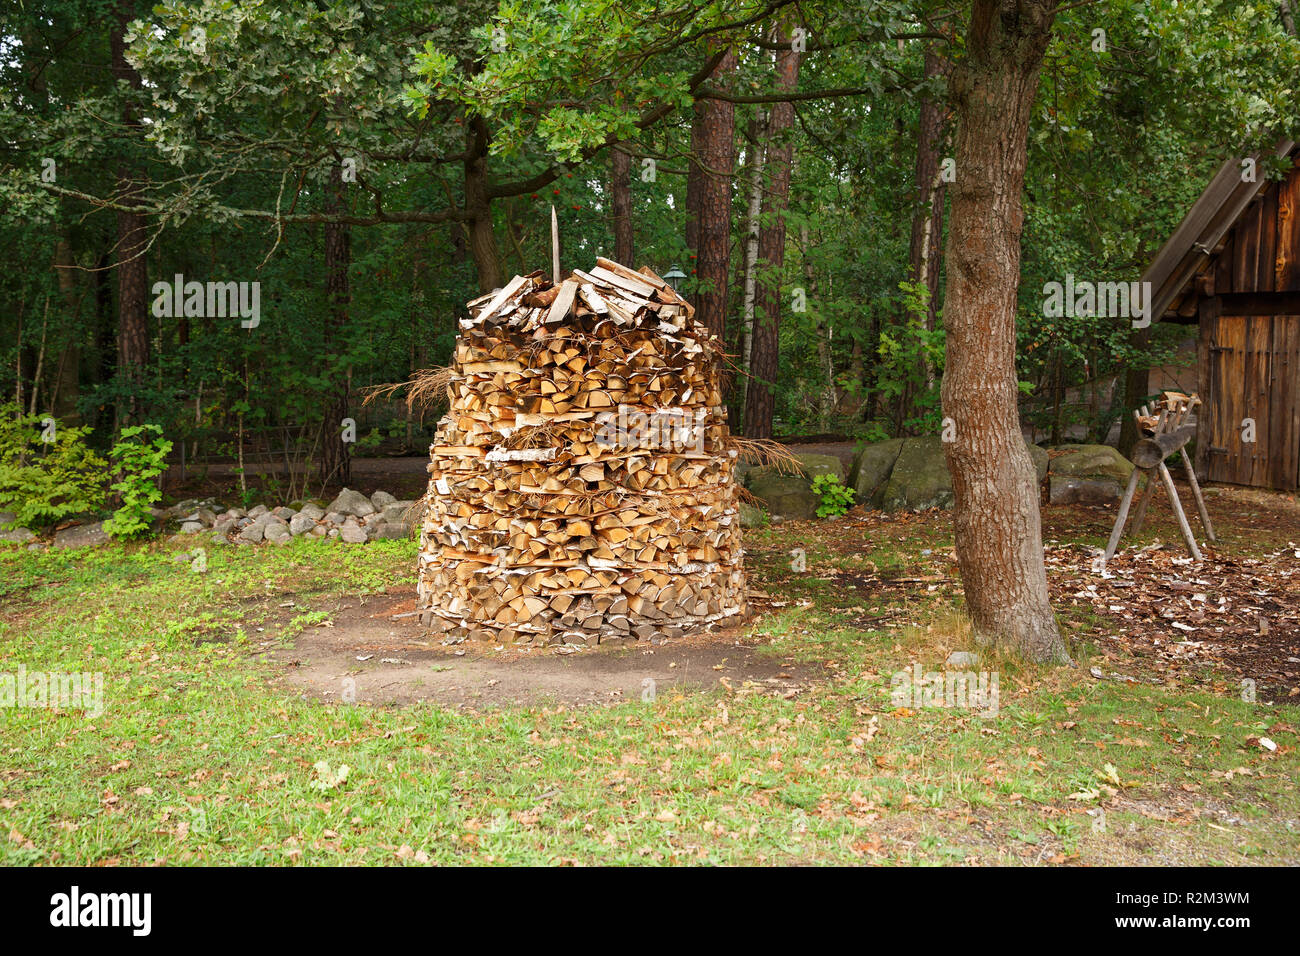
581,487
1169,404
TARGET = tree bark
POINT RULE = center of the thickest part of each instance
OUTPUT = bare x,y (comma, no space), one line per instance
129,261
620,191
478,207
760,399
336,462
715,123
753,220
996,517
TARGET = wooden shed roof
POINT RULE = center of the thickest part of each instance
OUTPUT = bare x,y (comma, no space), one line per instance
1189,250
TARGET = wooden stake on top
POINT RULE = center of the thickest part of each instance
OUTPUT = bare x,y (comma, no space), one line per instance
555,248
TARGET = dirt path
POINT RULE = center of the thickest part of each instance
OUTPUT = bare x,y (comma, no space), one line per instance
372,654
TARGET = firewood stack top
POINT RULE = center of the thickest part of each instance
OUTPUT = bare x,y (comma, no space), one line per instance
581,487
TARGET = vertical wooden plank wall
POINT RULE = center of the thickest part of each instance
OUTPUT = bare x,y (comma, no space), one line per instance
1250,365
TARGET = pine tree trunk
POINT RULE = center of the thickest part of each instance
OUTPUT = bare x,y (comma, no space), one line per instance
620,189
996,517
760,399
715,121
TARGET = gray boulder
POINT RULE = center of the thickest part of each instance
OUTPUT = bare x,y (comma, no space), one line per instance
17,535
789,496
81,536
388,531
400,512
254,532
277,533
284,511
312,510
814,465
258,511
1040,459
353,503
381,500
7,517
352,532
871,467
335,518
1067,490
919,478
1091,461
301,523
191,527
752,516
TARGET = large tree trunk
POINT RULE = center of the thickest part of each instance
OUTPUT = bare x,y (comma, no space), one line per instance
478,208
996,518
714,137
620,205
129,261
760,400
336,463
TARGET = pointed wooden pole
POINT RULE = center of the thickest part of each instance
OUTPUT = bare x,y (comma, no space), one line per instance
555,248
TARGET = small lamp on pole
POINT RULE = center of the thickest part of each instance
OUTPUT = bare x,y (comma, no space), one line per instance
674,277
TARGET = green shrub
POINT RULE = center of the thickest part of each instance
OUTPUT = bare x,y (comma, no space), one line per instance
837,498
141,456
43,482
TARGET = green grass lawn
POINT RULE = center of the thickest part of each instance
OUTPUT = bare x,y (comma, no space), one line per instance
197,759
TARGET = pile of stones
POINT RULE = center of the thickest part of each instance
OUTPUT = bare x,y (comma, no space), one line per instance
352,518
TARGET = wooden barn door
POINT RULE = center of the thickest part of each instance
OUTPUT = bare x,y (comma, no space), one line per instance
1252,367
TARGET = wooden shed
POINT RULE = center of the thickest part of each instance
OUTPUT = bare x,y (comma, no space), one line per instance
1233,267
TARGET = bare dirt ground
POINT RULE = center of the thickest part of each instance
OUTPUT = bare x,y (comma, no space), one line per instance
1156,616
368,649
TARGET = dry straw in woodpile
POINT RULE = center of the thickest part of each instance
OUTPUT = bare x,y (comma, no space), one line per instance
581,486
